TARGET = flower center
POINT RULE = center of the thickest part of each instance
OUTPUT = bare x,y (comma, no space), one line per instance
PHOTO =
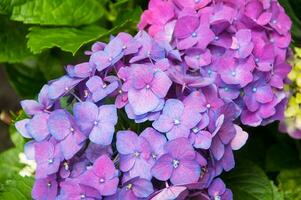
257,60
86,93
233,73
66,166
147,86
217,197
50,161
129,186
72,130
194,34
136,154
176,122
274,21
175,163
102,180
95,123
208,106
49,184
82,196
254,89
124,47
216,38
226,89
195,130
154,156
110,59
104,86
66,89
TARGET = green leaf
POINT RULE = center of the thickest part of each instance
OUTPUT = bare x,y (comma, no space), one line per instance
58,12
282,156
17,188
13,41
130,16
9,164
27,79
6,6
52,65
289,184
67,39
249,182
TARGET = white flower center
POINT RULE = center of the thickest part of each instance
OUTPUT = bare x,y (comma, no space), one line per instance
176,122
175,163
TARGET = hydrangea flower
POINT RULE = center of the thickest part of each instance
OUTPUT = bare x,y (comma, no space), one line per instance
71,189
44,103
64,129
218,190
176,120
107,57
136,188
48,157
99,89
62,86
97,122
148,87
181,87
177,164
45,188
102,176
36,128
135,151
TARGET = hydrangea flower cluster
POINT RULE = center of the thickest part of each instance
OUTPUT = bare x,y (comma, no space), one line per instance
238,47
184,85
292,122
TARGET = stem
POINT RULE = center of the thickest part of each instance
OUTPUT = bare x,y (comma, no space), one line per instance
116,159
73,94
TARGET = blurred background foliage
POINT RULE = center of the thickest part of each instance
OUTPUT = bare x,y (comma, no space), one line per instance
39,37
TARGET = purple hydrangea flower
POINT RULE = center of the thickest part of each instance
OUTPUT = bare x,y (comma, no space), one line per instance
71,189
177,164
150,49
176,120
171,192
44,103
237,73
99,89
157,15
242,43
48,157
156,141
109,56
218,190
64,129
36,128
46,188
82,70
135,153
136,188
148,88
97,122
129,44
62,86
102,176
190,31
